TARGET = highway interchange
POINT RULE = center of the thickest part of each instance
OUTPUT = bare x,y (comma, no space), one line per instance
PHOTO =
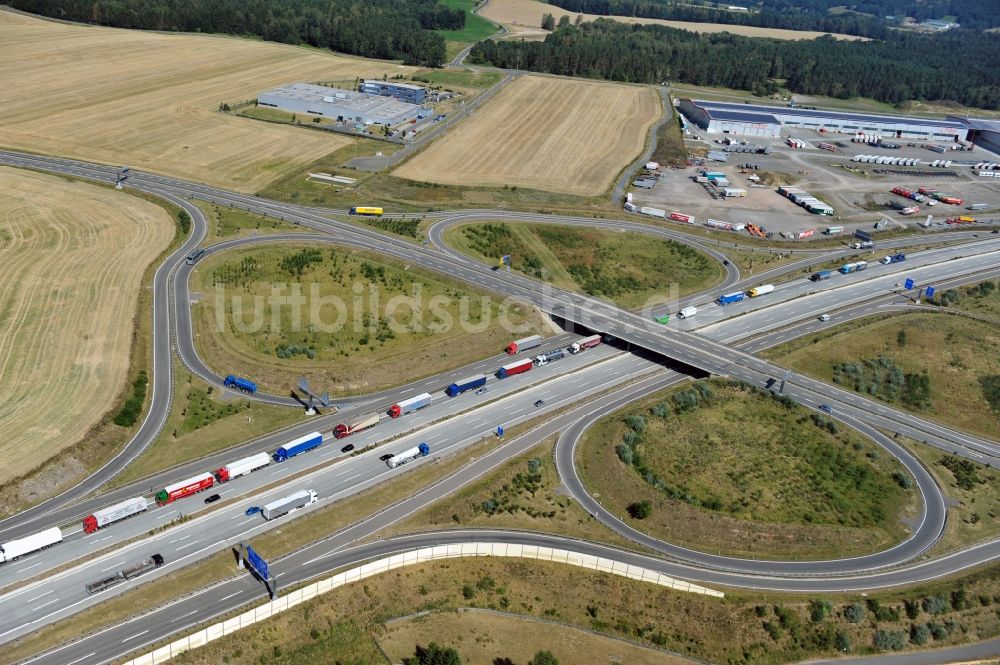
759,325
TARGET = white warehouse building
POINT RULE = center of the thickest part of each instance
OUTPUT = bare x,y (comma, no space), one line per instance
337,104
763,120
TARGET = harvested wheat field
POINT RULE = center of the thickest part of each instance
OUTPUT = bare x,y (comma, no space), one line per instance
524,19
151,100
72,257
557,135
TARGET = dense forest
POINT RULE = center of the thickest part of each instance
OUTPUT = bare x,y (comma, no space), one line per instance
388,29
868,18
957,65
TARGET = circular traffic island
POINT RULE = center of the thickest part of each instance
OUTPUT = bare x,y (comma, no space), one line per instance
729,469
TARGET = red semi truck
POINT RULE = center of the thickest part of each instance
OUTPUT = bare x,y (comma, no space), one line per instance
356,425
585,343
518,367
524,344
184,488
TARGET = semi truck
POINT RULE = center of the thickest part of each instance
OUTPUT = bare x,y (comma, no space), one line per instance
727,298
142,567
242,467
468,383
585,343
238,382
412,404
423,450
821,275
864,244
517,367
356,424
687,312
760,290
105,516
524,344
551,356
287,504
15,549
185,488
894,258
833,230
370,211
298,446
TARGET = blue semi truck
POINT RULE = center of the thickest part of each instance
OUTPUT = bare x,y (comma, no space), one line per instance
821,275
731,297
298,446
238,382
468,383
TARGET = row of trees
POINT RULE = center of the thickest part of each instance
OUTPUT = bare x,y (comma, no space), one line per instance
959,66
389,29
868,18
439,655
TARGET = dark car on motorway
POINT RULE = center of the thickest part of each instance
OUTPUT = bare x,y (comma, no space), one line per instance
539,402
825,408
252,510
213,498
383,458
348,448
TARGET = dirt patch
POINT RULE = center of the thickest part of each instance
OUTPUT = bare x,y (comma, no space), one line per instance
552,134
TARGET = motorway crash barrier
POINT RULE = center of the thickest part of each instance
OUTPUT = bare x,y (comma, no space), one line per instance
423,555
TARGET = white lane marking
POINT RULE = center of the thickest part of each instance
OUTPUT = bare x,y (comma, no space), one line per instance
183,616
232,595
135,636
54,600
113,566
31,600
193,542
81,659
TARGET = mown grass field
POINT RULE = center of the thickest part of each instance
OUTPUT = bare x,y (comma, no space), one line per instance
727,469
362,323
958,355
72,261
227,223
476,27
150,100
631,269
546,133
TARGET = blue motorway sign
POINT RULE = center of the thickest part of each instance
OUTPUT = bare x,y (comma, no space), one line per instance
930,292
257,563
908,283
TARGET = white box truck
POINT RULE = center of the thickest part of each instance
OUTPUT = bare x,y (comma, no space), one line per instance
687,312
287,504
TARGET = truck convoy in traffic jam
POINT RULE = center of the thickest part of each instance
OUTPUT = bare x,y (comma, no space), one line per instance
550,356
852,267
423,450
468,383
356,424
238,382
524,344
760,290
287,504
516,367
242,467
409,405
821,275
15,549
101,518
184,488
124,574
728,298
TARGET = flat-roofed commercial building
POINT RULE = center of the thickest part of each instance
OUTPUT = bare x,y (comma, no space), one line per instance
336,104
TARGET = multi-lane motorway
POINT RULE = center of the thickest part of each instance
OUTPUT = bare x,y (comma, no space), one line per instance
707,350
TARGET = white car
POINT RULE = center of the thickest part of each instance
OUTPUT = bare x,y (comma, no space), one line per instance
824,317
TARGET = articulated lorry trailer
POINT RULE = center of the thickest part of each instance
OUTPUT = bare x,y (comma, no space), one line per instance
105,516
129,573
727,298
510,369
423,450
356,424
524,344
545,358
821,275
242,467
585,343
15,549
185,488
287,504
468,383
760,290
238,382
408,405
298,446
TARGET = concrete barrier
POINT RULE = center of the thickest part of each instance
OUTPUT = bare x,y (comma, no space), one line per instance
413,557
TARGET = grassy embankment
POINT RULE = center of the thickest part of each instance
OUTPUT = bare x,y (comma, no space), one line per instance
720,468
348,335
628,268
476,28
944,368
227,223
